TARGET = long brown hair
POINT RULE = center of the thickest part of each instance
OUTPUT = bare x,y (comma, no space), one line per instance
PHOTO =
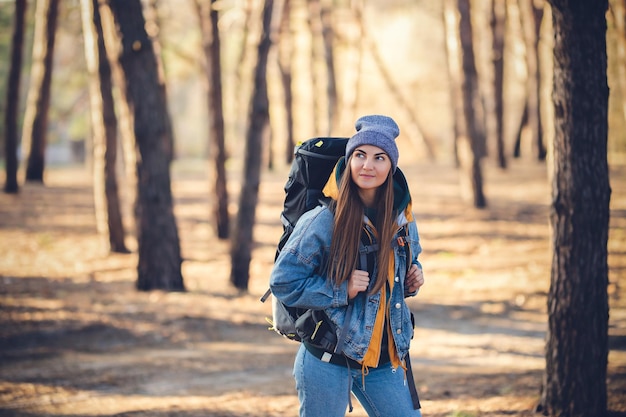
349,211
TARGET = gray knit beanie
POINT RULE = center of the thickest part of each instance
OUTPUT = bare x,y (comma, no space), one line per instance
376,130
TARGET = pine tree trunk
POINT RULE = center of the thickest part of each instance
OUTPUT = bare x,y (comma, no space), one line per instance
13,98
471,144
285,56
36,116
577,341
208,16
242,242
498,28
104,128
159,265
531,22
328,35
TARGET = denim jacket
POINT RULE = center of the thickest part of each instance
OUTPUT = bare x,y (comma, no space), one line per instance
298,279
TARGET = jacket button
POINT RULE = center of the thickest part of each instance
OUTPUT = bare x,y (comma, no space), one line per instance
398,305
399,331
397,279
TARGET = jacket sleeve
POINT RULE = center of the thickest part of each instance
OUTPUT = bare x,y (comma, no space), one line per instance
298,278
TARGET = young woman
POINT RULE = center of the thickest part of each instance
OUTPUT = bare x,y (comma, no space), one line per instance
319,268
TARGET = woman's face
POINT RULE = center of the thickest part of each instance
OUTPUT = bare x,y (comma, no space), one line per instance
369,168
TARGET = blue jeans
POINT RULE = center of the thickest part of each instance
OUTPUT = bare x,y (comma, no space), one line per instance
324,389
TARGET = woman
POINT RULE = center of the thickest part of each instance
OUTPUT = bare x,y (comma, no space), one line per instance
319,268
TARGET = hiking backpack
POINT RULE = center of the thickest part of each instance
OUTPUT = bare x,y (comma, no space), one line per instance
313,163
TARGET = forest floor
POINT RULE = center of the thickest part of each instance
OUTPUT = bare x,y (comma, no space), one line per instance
77,339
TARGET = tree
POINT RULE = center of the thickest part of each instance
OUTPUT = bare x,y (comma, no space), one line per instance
104,130
498,28
159,265
531,15
258,127
38,100
152,21
470,138
208,16
285,65
13,94
577,341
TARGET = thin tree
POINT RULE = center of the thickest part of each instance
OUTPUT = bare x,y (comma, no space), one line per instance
470,137
617,16
531,15
122,108
208,16
498,28
38,101
577,340
104,130
13,97
285,65
159,264
318,77
242,242
328,37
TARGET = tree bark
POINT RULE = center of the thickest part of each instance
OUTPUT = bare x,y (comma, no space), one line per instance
577,340
104,130
159,265
498,28
13,98
285,56
152,19
472,143
328,37
317,80
531,16
208,16
242,241
123,111
36,115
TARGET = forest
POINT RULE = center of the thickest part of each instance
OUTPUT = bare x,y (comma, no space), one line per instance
146,144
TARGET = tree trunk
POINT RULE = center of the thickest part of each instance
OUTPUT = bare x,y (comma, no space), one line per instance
36,114
531,23
498,28
104,130
472,144
328,36
317,81
453,66
208,16
13,98
285,56
121,105
159,265
577,340
152,19
242,242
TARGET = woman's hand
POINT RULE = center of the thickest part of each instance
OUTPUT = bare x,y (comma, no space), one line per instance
414,279
359,281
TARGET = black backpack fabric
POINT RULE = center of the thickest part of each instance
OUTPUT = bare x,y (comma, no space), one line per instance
313,164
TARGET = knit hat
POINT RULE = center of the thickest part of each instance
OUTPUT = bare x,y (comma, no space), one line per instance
376,130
